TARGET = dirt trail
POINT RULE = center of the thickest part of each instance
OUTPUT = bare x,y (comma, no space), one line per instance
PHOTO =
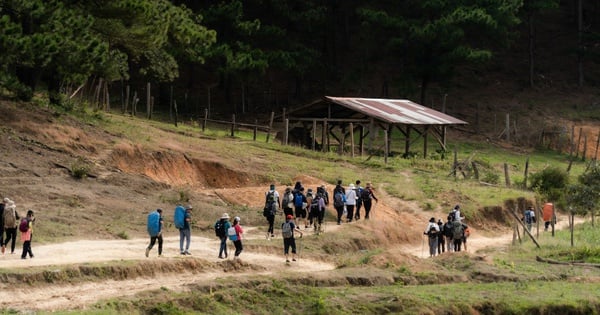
87,251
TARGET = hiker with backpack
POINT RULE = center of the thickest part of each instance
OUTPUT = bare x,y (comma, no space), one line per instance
154,226
300,203
183,222
271,205
339,202
288,202
350,202
448,234
235,235
287,232
367,199
317,211
528,217
441,239
221,227
26,228
432,230
458,233
455,214
358,191
11,221
322,191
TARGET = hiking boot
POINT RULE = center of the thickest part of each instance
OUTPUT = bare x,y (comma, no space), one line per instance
287,260
187,253
293,259
147,251
272,235
182,253
3,248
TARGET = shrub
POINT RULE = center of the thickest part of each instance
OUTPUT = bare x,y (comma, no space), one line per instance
549,181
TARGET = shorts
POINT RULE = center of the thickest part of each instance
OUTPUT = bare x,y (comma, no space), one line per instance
300,212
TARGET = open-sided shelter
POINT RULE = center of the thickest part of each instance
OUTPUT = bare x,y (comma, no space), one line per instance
339,119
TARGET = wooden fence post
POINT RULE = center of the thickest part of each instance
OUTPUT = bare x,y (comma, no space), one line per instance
314,135
255,129
385,141
205,119
351,140
526,173
233,125
506,176
148,100
286,132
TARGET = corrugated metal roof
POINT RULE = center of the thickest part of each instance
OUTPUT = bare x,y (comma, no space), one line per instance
396,111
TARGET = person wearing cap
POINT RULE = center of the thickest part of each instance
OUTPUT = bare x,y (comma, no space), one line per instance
350,202
11,221
239,247
155,224
221,226
432,232
289,241
185,233
28,235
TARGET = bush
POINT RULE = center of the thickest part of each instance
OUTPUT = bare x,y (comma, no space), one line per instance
549,181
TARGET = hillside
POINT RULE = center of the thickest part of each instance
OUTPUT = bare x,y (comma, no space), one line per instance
90,232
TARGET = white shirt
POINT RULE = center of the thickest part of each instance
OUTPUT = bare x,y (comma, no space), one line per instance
351,197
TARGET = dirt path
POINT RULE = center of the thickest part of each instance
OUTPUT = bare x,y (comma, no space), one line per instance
86,251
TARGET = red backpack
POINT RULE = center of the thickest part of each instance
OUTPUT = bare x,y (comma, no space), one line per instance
24,225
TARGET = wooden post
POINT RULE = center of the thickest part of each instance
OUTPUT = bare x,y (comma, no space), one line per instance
526,173
506,176
351,140
314,135
553,220
127,101
134,102
270,126
171,103
584,147
151,107
255,129
325,136
148,94
205,119
507,127
475,170
572,141
233,125
425,141
578,142
597,144
283,115
286,132
176,113
385,140
455,164
361,143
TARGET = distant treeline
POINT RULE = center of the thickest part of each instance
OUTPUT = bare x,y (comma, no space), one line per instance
256,56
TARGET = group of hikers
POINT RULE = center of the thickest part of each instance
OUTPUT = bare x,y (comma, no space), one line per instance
310,207
449,236
10,223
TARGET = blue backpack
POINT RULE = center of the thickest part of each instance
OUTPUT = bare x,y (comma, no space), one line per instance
153,223
298,200
179,217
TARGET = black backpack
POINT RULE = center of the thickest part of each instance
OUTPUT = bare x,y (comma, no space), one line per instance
365,194
314,205
220,228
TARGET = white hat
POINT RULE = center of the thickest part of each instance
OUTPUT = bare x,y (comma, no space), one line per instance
237,219
351,186
225,216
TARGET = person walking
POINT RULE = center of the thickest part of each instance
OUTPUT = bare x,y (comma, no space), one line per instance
358,191
300,204
317,211
350,202
221,227
441,239
237,241
27,234
458,233
185,233
339,200
367,199
287,232
447,231
432,232
288,202
11,221
272,204
529,217
154,226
